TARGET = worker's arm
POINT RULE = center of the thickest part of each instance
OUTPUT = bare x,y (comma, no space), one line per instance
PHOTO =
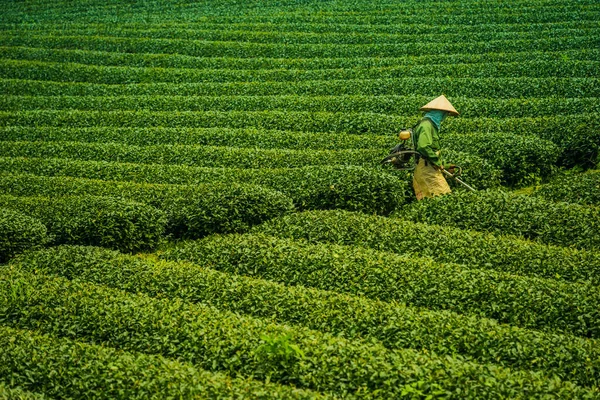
425,144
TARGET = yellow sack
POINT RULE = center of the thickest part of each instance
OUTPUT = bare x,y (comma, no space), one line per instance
429,182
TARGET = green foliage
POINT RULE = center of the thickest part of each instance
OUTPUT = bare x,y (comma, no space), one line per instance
528,302
19,232
192,211
396,326
442,243
222,341
11,393
499,212
523,159
320,187
63,368
572,188
101,221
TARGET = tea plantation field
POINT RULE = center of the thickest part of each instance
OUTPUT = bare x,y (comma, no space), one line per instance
192,203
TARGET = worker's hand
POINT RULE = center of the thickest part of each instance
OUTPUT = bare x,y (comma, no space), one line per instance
451,168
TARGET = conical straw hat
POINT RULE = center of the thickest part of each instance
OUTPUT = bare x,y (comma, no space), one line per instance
440,103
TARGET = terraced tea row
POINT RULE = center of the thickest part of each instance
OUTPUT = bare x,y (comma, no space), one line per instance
192,211
119,59
579,147
397,105
541,304
492,88
579,188
403,28
478,250
314,360
353,188
19,232
499,212
353,317
273,36
64,368
479,171
99,221
522,159
206,48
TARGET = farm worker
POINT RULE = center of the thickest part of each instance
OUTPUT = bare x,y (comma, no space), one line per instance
428,180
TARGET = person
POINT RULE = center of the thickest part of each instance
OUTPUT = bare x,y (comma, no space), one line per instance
428,180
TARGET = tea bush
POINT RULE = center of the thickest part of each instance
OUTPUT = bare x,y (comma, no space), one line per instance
536,303
243,346
394,325
19,232
442,243
64,368
192,211
101,221
505,213
318,187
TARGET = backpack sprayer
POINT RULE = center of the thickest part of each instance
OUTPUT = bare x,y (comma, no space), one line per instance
404,157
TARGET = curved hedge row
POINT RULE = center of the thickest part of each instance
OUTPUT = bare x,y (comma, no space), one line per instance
572,188
101,58
492,88
19,232
396,27
499,212
522,159
253,34
443,244
395,326
192,211
223,341
205,48
64,368
73,72
347,187
479,172
234,137
98,221
396,105
527,302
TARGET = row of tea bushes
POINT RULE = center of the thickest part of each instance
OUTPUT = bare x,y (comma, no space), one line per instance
98,221
321,187
479,172
159,12
396,105
392,27
395,326
523,159
499,212
244,346
536,303
234,49
113,75
191,211
63,368
19,232
579,147
491,88
442,243
253,34
100,58
572,188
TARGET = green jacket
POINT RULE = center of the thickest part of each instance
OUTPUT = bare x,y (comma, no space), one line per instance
427,142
